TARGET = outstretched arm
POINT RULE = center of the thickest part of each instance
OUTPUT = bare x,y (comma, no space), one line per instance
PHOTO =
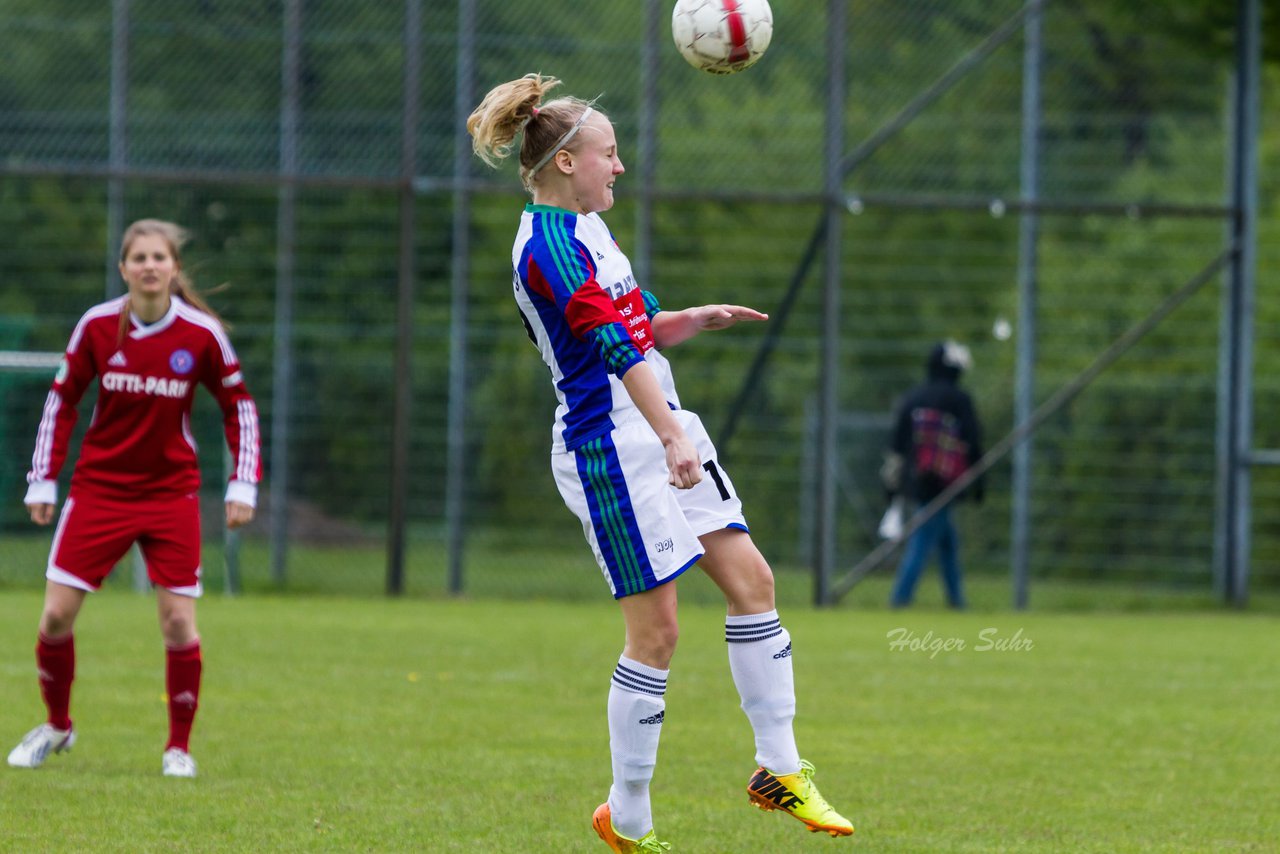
673,327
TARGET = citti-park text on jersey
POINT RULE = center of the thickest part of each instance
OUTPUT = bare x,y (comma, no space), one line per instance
158,386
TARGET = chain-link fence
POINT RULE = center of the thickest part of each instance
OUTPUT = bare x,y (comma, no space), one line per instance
317,153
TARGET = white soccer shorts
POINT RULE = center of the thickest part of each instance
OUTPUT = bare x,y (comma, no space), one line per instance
644,532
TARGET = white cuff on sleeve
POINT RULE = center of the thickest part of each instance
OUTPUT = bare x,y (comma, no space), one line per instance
42,492
243,492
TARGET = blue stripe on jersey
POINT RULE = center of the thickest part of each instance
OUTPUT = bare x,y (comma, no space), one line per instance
613,517
571,263
585,383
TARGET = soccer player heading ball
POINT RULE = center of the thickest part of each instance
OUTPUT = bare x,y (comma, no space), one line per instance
638,470
137,478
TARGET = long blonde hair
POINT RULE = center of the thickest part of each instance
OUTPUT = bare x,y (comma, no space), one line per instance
516,108
181,285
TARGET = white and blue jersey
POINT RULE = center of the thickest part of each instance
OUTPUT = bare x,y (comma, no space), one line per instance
588,318
591,322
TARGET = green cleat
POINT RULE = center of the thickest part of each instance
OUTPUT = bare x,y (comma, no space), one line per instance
797,796
602,821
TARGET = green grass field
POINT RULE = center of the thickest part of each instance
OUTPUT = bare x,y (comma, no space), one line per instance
345,724
504,566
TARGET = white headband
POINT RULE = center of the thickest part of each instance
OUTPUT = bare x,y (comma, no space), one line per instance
564,140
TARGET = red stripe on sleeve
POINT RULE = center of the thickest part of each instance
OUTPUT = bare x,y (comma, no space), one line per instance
537,282
590,307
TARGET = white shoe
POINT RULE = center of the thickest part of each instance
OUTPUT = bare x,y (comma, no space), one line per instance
36,746
178,763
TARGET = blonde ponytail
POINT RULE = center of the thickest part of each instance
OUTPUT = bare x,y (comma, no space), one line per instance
516,109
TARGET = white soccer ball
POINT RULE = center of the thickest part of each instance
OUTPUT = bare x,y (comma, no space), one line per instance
722,36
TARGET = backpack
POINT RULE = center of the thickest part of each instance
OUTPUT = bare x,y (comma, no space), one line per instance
940,455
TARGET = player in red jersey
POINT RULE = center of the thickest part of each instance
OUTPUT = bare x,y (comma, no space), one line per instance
137,478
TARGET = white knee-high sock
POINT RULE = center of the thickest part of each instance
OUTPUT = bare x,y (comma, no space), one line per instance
760,660
636,709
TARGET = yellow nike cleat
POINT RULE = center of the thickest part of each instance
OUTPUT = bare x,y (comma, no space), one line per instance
796,795
602,821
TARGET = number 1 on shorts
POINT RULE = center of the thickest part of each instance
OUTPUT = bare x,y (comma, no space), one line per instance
714,471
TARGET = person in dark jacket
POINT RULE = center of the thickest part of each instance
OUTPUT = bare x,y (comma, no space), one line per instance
936,438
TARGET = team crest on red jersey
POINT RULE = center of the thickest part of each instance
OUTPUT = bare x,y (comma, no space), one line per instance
182,361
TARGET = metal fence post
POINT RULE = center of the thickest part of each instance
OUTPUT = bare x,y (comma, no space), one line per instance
230,539
1235,408
459,294
117,163
118,140
829,406
646,141
401,424
1024,370
286,240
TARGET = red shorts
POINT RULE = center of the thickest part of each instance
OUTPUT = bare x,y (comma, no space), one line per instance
94,533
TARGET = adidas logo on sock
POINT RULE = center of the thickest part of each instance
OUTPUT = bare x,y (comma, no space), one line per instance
186,698
117,361
654,719
786,653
